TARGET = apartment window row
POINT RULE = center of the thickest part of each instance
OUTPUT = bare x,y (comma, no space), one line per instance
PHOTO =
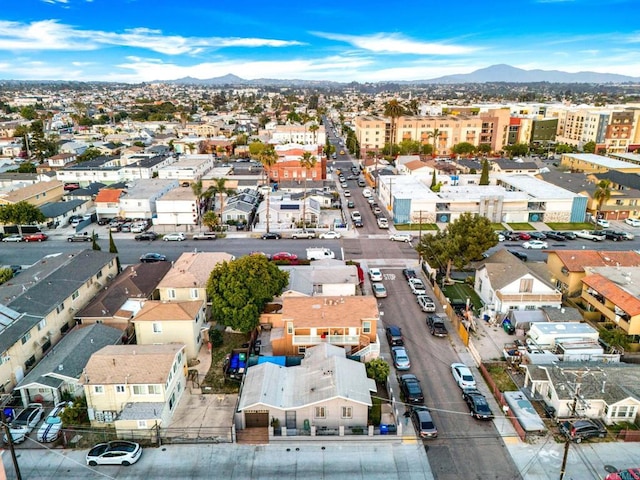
147,390
321,412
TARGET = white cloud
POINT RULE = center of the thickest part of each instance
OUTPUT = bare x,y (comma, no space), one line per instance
395,43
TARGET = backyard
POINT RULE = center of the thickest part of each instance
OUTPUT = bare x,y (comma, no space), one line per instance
215,378
459,292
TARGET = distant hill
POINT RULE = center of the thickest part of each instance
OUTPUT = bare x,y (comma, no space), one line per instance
492,74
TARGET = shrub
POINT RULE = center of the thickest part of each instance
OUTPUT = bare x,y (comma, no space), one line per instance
215,337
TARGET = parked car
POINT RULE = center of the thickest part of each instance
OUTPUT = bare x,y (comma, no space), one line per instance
409,273
117,452
14,237
603,223
634,222
174,237
205,236
535,245
423,423
520,255
436,326
50,429
478,405
579,430
307,234
589,235
462,375
394,335
358,223
351,204
537,235
24,423
330,235
400,237
426,303
375,274
569,235
151,236
379,290
417,286
400,358
411,389
614,235
271,236
35,237
555,236
152,258
524,236
81,237
284,256
347,193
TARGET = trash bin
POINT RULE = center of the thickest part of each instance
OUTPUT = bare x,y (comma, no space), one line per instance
384,429
508,327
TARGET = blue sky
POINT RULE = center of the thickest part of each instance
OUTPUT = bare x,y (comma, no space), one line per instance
143,40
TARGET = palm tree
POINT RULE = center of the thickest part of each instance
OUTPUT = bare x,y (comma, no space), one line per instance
197,191
268,157
307,161
191,147
219,187
602,194
435,134
393,109
314,130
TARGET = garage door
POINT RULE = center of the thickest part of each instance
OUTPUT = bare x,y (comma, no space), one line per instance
256,419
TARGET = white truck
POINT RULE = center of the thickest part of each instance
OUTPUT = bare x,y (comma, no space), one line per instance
590,235
319,253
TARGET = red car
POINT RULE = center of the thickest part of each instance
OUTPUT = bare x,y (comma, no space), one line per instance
35,237
284,256
524,236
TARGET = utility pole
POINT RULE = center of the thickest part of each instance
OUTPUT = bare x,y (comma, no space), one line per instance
12,449
574,405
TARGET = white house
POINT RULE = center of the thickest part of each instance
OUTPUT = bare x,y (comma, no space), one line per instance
177,207
188,168
141,198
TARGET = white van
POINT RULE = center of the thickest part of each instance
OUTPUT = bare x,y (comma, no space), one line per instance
366,193
319,253
382,222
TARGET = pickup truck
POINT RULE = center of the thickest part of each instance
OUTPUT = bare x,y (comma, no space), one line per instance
25,422
81,237
204,236
590,235
303,234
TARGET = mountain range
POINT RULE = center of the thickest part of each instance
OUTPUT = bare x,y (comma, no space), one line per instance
492,74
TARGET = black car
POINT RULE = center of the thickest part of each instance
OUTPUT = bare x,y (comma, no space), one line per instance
271,236
578,430
146,236
537,235
358,223
522,256
394,336
409,273
569,235
152,258
477,403
614,235
411,389
556,236
436,326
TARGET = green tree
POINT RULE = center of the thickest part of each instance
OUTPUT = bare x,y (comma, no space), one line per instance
484,148
435,134
393,109
89,154
210,220
433,179
564,148
268,158
220,188
484,175
602,194
113,249
409,147
21,213
307,161
255,148
28,112
94,241
517,149
76,414
464,240
313,128
589,147
6,274
463,148
240,289
378,369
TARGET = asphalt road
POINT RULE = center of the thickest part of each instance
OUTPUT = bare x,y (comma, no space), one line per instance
465,447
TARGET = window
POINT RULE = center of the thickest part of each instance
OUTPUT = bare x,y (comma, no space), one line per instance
289,328
302,350
139,389
195,293
120,388
366,327
42,324
60,308
526,285
98,389
320,412
157,327
154,390
75,295
171,293
142,424
347,412
26,338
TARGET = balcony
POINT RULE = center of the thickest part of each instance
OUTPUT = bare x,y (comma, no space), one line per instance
529,297
332,339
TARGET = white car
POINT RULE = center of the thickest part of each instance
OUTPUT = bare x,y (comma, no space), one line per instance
347,193
378,290
366,193
174,237
375,274
330,235
14,237
400,237
426,303
417,286
24,423
462,375
117,452
535,244
52,426
634,222
603,223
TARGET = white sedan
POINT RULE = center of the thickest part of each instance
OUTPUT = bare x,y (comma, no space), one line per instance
50,429
535,244
462,375
330,235
634,222
375,274
400,237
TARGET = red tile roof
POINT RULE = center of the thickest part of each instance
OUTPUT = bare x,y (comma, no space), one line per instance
614,293
108,195
576,260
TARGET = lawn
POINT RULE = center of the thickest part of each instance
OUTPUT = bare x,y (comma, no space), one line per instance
462,291
417,227
521,226
571,226
215,378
